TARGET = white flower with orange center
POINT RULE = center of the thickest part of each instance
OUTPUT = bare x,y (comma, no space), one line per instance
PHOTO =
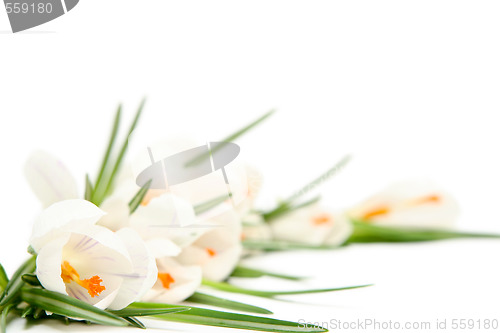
410,203
90,262
312,225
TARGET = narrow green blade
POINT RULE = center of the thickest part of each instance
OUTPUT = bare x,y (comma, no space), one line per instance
107,154
134,322
208,317
88,188
206,206
3,317
136,311
137,199
234,289
206,299
16,283
368,233
287,207
246,272
70,307
274,245
3,279
232,137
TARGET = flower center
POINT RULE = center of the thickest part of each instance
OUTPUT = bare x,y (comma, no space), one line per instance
211,252
322,219
93,285
386,209
166,280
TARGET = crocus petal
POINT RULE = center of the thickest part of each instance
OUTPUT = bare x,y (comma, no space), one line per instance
144,275
117,213
48,264
185,280
162,247
49,179
61,217
341,230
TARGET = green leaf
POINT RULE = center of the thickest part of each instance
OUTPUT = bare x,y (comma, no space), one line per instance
260,293
246,272
284,206
107,154
88,188
3,317
206,206
136,311
31,279
3,279
123,150
28,311
135,322
68,306
369,233
31,251
137,199
208,317
287,207
274,245
16,283
231,137
225,303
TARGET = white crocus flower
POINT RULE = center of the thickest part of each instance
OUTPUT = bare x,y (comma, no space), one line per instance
312,225
411,204
49,179
90,262
175,282
218,250
256,228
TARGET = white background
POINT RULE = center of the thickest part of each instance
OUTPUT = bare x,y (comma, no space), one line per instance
410,88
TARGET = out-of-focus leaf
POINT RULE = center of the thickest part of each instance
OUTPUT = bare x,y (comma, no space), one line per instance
3,317
31,279
137,199
369,233
3,279
135,310
135,322
246,272
206,299
275,245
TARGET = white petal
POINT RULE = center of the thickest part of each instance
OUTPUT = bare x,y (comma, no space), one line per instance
117,213
163,247
144,274
48,264
186,280
61,217
341,230
49,179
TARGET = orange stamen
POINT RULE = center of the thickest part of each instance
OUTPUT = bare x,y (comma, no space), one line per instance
211,252
166,280
381,210
93,285
429,199
322,219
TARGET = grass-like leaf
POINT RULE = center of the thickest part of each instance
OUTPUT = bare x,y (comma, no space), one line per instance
286,204
68,306
3,279
286,208
31,279
231,137
104,165
261,293
137,199
246,272
208,317
275,245
368,233
88,188
135,310
3,317
16,283
206,206
206,299
135,322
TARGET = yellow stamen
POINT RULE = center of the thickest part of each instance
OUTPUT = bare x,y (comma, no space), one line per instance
93,285
322,219
211,252
166,280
